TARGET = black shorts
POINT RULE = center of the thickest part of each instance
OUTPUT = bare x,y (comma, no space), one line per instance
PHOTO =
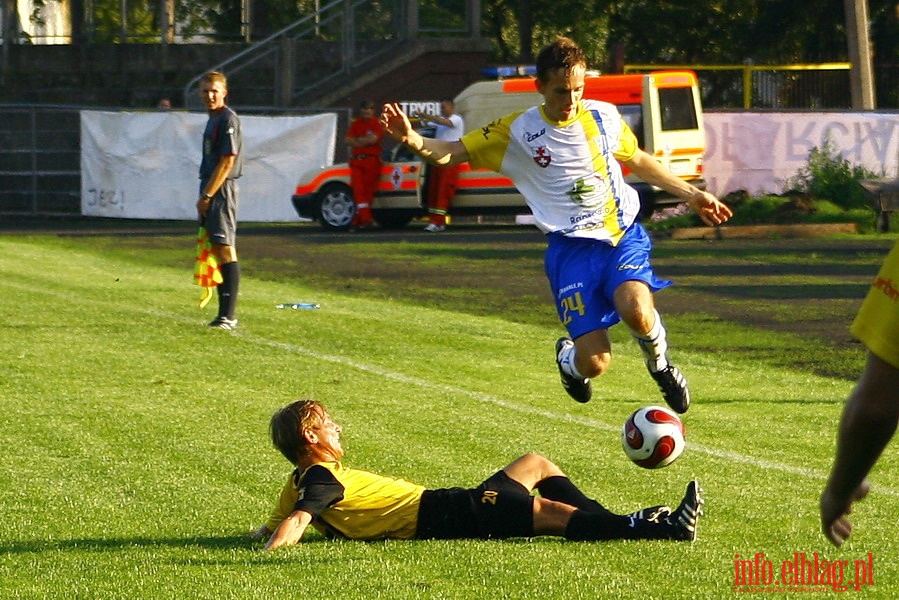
498,508
221,220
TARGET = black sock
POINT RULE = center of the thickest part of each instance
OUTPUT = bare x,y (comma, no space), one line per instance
227,289
561,489
584,525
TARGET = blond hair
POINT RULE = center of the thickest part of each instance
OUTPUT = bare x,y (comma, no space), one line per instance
213,77
288,424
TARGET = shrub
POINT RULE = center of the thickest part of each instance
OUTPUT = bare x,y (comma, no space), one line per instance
774,210
825,190
829,176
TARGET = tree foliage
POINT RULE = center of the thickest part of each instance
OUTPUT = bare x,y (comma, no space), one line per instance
520,27
650,31
680,31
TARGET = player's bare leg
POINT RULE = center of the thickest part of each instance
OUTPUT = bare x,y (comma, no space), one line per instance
580,360
636,306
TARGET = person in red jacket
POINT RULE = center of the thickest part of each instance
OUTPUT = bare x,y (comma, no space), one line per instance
364,139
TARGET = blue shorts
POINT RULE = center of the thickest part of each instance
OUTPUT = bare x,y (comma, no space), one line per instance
583,275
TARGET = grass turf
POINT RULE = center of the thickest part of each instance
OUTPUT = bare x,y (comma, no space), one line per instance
135,452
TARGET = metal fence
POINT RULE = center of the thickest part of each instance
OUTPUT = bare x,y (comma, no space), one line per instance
40,160
809,87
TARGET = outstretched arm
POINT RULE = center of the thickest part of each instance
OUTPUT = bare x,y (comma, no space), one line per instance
869,421
711,210
290,531
439,152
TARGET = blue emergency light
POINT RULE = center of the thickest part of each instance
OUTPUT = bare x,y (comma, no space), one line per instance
500,71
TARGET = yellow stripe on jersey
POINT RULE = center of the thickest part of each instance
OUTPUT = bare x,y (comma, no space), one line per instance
612,220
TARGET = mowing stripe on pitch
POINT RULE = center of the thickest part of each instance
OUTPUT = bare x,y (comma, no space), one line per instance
489,398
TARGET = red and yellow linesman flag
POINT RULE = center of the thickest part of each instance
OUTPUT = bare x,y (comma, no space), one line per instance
207,274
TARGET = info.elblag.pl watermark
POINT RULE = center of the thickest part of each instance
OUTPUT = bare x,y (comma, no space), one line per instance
802,573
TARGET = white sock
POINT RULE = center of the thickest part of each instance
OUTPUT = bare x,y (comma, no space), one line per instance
566,360
654,345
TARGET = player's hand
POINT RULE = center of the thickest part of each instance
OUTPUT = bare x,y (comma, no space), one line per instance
395,122
203,207
710,210
834,514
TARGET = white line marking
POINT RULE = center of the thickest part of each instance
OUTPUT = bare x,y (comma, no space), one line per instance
588,422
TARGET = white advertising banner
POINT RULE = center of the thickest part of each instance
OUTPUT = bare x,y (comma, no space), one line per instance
146,165
761,152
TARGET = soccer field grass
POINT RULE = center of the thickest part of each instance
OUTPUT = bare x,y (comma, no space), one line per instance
135,452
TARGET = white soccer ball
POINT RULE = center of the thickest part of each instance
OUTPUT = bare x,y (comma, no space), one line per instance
653,437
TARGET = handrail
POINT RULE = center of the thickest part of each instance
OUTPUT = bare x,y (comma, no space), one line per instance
324,15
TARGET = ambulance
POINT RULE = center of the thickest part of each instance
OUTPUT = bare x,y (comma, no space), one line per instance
663,108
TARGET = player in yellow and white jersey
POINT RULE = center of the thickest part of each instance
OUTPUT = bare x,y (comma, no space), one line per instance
565,158
350,503
871,414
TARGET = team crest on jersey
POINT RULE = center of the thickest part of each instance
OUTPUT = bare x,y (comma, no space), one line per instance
542,156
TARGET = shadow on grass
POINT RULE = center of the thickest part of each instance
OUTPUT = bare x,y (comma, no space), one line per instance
109,544
235,542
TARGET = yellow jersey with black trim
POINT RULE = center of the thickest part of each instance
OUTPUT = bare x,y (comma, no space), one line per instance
568,172
351,503
877,323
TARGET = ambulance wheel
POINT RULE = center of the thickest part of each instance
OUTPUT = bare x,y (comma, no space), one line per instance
335,206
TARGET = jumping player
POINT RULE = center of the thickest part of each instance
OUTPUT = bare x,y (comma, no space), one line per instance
349,503
563,156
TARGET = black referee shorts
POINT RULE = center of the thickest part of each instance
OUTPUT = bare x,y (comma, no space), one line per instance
498,508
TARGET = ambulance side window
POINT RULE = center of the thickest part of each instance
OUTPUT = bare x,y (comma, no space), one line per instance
399,153
678,111
633,116
402,153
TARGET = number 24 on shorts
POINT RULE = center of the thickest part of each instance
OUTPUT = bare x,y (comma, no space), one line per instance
570,304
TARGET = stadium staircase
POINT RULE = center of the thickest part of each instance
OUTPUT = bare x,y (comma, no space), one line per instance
324,58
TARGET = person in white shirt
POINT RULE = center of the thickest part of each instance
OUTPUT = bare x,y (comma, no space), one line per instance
442,179
565,157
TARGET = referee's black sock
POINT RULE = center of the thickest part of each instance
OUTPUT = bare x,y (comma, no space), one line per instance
561,489
228,288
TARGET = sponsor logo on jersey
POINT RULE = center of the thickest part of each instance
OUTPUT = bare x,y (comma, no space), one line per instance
630,267
530,137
